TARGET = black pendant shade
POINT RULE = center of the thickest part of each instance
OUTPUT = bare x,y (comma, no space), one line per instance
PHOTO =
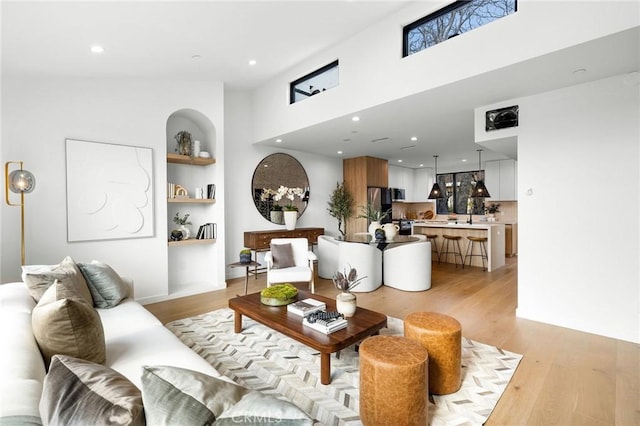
436,192
480,191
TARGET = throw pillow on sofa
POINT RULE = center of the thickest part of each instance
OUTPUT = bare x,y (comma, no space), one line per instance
256,408
63,322
105,285
38,279
79,392
177,396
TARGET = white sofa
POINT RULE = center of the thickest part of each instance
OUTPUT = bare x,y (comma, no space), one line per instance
327,256
133,336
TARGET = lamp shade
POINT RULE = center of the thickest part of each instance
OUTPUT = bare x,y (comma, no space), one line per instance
21,181
436,192
480,191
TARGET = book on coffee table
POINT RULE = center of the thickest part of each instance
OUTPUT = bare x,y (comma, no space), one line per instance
326,326
306,307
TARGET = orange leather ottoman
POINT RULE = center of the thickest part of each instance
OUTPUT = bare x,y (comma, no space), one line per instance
393,382
441,336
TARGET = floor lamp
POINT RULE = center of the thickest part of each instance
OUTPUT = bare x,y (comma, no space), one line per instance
19,181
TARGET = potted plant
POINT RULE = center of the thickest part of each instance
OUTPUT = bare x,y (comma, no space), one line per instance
183,221
245,255
276,214
374,216
492,210
345,282
290,216
340,206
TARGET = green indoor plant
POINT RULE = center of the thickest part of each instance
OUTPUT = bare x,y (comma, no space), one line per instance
341,206
183,221
245,255
370,213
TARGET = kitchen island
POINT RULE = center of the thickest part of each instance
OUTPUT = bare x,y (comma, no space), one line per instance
493,231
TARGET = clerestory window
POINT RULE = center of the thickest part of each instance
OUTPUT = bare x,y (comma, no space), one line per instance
313,83
453,20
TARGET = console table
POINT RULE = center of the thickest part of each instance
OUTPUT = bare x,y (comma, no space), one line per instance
259,241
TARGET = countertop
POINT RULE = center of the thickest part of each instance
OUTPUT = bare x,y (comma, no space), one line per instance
460,224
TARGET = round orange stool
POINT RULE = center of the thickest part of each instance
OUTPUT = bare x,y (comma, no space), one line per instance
393,382
441,336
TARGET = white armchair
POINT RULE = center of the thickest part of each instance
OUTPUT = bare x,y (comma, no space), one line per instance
327,256
366,259
291,261
408,266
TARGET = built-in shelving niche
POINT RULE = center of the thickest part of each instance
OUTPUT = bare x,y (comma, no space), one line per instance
192,263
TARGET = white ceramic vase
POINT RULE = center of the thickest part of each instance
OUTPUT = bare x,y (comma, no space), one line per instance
290,218
372,228
186,233
346,304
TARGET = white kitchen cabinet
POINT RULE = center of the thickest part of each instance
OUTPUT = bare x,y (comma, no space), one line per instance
402,177
423,181
501,179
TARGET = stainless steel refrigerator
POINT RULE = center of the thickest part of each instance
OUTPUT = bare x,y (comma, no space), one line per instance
380,198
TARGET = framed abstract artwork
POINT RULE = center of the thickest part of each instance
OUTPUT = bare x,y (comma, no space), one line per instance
109,191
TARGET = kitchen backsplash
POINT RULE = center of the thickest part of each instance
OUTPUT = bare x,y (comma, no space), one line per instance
418,211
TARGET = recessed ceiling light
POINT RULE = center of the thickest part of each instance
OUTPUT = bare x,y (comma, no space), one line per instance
355,118
399,161
464,160
339,152
278,140
97,48
252,62
413,138
421,165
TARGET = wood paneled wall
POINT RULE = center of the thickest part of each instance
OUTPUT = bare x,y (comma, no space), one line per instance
360,173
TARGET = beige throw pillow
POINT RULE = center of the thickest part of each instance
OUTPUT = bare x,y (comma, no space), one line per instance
66,272
63,322
282,256
79,392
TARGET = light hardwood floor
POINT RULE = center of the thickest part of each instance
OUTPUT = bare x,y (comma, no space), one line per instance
566,377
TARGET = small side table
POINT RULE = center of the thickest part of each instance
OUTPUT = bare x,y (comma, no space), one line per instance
245,265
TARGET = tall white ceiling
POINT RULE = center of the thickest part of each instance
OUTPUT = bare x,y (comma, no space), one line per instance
214,40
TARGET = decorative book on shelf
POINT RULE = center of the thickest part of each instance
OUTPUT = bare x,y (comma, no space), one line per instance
306,307
325,322
207,231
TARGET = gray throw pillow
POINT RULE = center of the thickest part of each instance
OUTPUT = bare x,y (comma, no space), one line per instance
66,272
282,256
258,409
105,285
79,392
177,396
64,323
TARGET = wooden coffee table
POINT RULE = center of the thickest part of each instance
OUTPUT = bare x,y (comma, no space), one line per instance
363,324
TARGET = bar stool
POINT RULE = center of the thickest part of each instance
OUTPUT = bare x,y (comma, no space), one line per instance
455,246
483,250
434,245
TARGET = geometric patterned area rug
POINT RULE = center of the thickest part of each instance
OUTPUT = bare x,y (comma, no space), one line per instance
262,359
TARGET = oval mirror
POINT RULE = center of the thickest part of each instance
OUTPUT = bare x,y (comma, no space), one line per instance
278,181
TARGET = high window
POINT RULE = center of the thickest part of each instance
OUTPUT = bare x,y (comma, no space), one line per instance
313,83
453,20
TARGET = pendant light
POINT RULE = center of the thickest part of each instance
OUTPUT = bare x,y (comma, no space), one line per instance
436,192
480,191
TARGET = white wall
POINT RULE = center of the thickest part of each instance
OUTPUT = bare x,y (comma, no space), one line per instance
37,116
242,157
578,229
372,70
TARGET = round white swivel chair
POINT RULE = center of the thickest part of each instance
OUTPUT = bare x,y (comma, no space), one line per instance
366,259
327,256
408,266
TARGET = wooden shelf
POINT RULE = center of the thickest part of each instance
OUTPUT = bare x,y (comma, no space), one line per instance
185,159
192,241
192,200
